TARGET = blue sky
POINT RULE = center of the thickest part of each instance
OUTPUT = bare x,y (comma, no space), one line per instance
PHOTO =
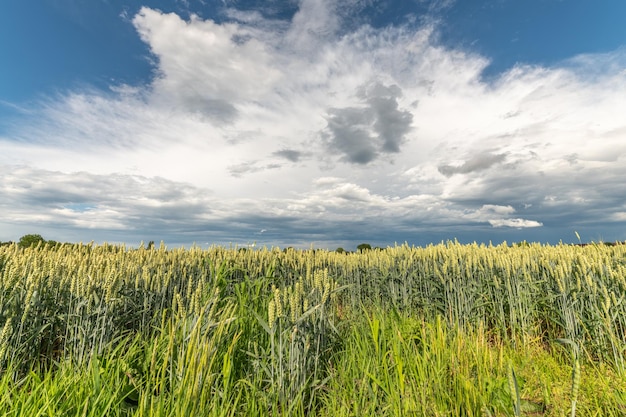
293,123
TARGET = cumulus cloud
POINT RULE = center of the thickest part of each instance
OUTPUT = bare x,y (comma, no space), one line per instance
517,223
491,208
204,67
326,132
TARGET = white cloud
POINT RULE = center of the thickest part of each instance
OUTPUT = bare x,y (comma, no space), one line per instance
256,119
503,210
205,68
517,223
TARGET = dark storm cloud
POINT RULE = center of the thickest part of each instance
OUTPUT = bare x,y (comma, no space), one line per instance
378,127
476,163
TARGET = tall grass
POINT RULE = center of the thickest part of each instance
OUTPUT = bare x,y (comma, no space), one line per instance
448,329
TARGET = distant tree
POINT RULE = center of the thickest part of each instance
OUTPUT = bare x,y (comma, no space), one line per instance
340,250
151,244
27,241
363,247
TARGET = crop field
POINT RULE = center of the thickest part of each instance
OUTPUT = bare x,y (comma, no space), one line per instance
442,330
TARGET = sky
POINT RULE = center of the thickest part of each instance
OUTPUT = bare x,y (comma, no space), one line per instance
313,123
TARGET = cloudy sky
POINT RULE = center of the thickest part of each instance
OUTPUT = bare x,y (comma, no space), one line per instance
313,122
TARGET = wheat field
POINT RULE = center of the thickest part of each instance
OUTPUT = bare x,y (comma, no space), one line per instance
442,330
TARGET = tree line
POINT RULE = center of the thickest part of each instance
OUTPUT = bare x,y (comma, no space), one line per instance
29,240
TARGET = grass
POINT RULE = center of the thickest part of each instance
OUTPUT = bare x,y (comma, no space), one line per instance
446,330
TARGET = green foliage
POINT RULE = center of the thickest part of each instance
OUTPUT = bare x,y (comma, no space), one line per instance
363,247
28,241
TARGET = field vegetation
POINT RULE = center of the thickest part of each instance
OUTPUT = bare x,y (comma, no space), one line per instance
442,330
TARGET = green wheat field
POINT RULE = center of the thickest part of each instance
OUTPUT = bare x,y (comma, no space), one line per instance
442,330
